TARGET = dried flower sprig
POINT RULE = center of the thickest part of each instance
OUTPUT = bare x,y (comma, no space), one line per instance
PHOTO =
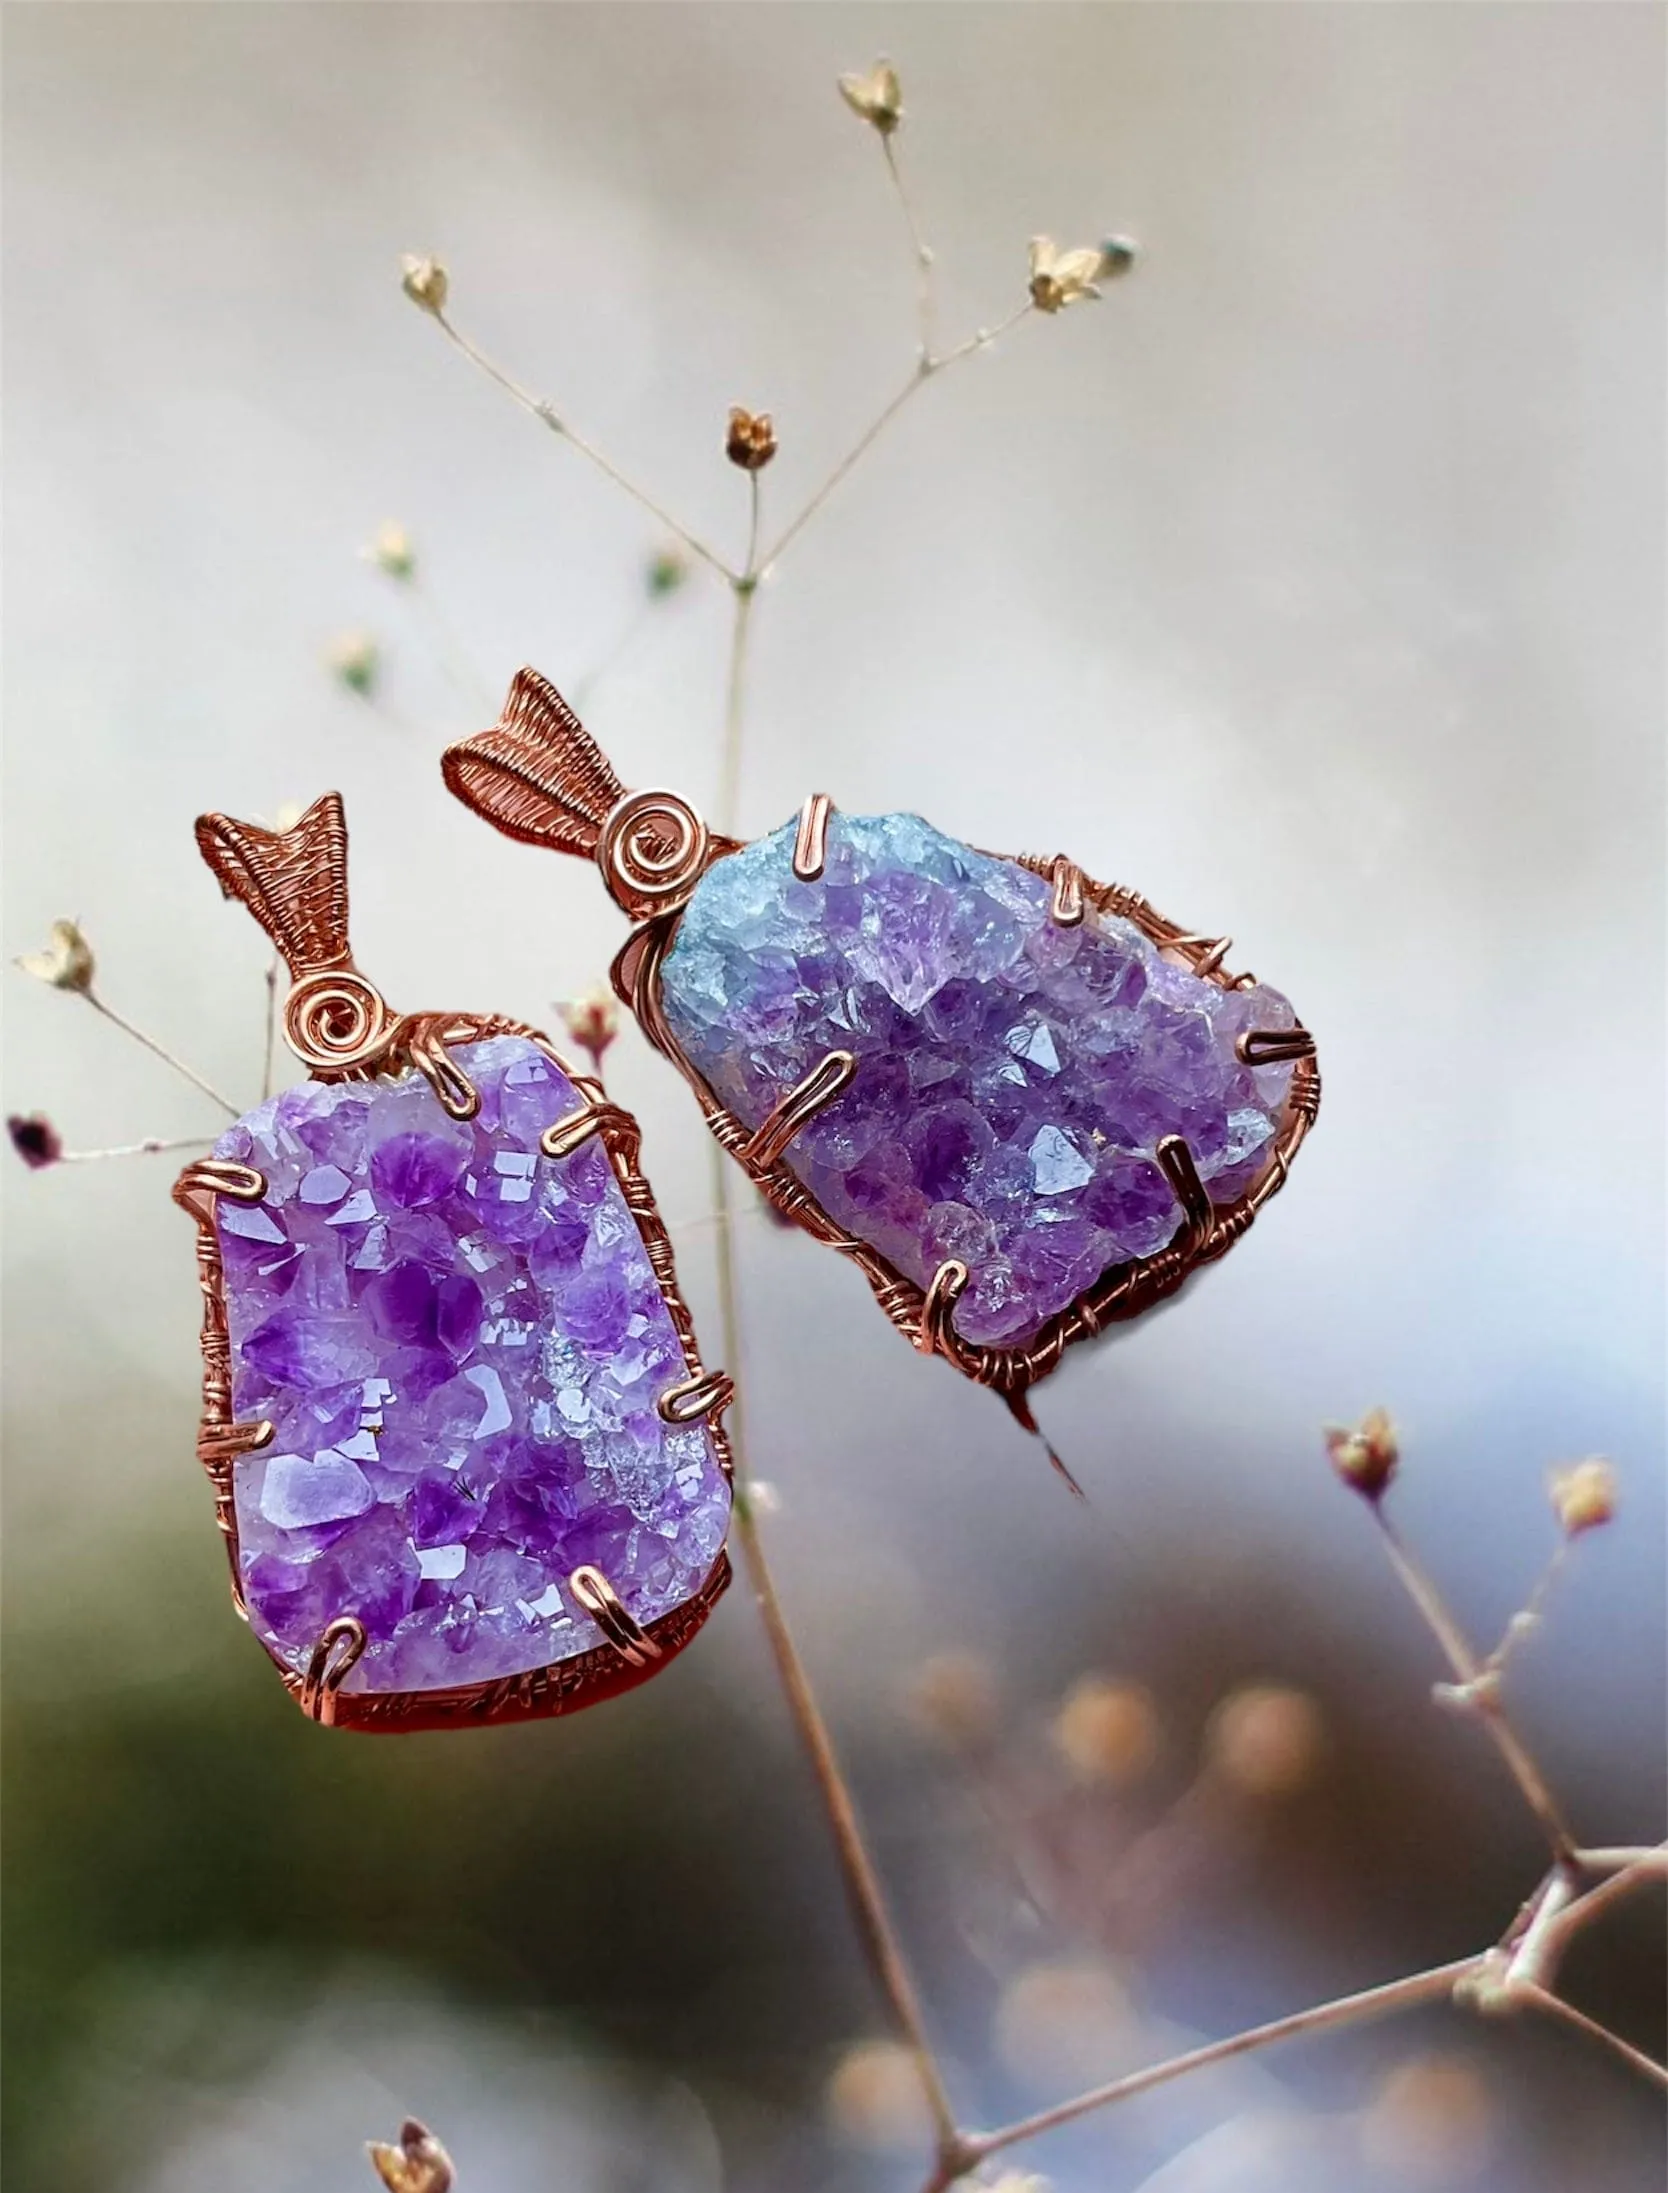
67,963
418,2165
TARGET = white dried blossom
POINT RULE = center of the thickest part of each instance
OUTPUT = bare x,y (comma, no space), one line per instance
66,962
1060,278
424,281
876,97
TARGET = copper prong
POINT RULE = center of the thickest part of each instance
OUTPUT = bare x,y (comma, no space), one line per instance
216,1176
334,1656
800,1104
810,845
1211,959
603,1604
948,1284
457,1094
220,1443
1175,1161
706,1394
567,1135
1269,1046
1065,907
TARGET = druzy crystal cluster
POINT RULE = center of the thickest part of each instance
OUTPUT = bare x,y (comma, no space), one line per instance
1014,1077
460,1344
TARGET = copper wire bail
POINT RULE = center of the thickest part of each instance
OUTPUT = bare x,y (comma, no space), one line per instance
294,882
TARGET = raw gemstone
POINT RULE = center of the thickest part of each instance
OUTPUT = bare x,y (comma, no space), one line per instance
459,1343
1014,1078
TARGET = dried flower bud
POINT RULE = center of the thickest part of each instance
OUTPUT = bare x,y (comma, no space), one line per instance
593,1021
418,2165
1583,1495
1431,2124
355,659
1107,1731
1059,278
875,2097
1366,1457
954,1699
392,551
425,282
877,97
1264,1740
35,1139
666,571
67,961
752,439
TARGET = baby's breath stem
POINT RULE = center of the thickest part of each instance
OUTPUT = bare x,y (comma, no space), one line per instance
923,255
548,416
1543,1998
150,1147
159,1050
1372,2002
1477,1688
925,369
269,1052
875,1929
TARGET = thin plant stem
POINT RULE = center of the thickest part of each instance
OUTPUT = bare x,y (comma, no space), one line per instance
548,416
875,1927
918,243
159,1050
1372,2002
745,589
1477,1693
925,369
1529,1614
269,1052
150,1147
1555,2006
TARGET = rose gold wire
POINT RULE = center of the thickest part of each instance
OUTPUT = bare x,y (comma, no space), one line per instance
597,1596
339,1649
933,1334
1065,905
798,1107
295,884
810,845
1272,1046
708,1395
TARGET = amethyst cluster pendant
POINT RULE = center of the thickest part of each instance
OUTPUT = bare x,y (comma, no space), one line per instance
466,1459
1024,1103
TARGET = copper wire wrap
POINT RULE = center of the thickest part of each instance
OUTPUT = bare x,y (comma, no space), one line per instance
810,845
335,1656
652,850
1065,904
295,883
826,1080
1124,1291
598,1598
708,1395
934,1335
1271,1046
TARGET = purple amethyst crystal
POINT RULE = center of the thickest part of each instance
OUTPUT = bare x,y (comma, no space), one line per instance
1014,1077
459,1343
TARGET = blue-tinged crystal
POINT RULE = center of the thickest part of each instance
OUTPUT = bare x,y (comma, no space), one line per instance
1014,1076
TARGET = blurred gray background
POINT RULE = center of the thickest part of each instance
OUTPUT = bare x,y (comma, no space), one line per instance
1311,582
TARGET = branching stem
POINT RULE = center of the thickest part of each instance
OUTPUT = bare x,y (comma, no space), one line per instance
548,416
1476,1688
160,1050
